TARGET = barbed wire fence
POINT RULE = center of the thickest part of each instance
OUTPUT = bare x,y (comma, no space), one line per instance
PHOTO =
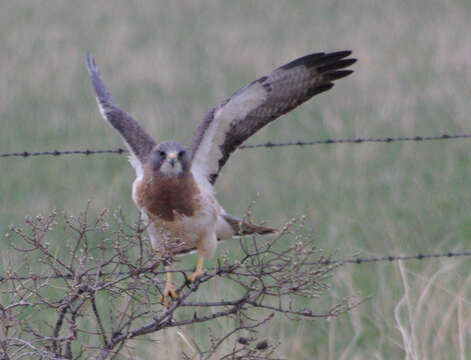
299,143
354,260
269,144
109,288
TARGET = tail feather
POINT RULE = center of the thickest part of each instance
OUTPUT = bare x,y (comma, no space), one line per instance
242,227
238,226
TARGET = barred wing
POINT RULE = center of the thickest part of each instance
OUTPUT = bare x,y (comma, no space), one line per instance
250,108
139,142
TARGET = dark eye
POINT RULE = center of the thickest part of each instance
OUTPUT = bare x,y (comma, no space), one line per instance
181,154
162,154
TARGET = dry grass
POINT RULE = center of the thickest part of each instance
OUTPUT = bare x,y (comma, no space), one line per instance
168,62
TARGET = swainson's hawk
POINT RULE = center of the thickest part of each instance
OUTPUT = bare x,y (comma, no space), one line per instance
174,185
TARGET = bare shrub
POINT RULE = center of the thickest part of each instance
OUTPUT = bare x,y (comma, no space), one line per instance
91,292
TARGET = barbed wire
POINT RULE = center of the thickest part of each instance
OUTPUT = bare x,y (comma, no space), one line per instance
26,154
391,258
268,144
354,261
387,140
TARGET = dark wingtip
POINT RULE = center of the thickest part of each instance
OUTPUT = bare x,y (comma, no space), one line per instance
304,60
339,74
337,64
340,54
97,83
321,59
90,63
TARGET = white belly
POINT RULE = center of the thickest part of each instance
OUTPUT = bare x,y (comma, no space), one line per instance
186,233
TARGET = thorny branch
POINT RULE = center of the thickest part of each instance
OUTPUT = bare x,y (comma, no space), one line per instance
86,287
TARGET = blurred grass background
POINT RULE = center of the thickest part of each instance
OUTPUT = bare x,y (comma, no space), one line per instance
168,62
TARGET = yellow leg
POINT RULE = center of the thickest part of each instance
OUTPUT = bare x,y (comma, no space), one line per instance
169,290
199,272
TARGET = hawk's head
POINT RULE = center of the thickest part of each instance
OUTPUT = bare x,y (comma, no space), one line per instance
170,158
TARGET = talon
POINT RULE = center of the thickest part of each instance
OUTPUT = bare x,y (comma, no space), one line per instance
169,290
196,275
199,271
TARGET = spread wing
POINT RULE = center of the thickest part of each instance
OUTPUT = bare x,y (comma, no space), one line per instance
250,108
139,142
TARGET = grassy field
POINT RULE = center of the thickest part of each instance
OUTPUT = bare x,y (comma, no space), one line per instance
168,62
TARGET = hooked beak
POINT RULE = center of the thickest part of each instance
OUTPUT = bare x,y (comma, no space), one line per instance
172,157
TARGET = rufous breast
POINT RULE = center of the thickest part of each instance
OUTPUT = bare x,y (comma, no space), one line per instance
167,197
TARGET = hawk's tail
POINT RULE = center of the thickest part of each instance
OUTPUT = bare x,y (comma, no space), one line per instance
242,227
230,227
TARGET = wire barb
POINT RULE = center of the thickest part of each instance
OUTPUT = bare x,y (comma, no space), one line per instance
269,144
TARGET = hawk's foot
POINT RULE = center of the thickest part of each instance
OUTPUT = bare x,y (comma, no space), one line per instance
169,291
196,275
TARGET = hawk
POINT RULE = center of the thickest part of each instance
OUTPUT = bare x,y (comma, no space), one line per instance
174,185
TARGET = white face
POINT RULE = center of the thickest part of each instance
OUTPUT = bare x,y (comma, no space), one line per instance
171,170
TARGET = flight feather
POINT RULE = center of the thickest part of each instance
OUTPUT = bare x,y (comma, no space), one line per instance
255,105
139,142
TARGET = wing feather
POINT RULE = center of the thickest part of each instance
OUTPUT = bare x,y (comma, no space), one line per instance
255,105
139,142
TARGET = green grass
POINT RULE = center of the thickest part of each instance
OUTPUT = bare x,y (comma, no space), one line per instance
168,62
